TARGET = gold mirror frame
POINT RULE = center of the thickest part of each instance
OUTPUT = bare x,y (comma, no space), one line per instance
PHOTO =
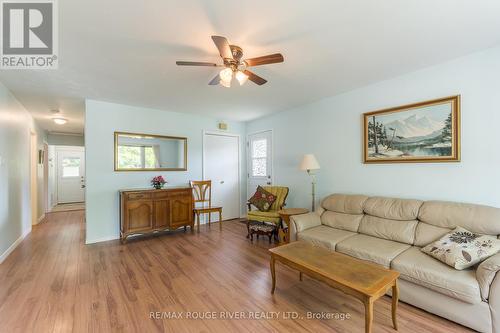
116,134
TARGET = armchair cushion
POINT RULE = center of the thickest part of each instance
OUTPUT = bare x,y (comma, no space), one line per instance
257,215
305,221
262,199
485,274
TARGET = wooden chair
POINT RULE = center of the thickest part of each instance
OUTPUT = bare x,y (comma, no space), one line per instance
202,194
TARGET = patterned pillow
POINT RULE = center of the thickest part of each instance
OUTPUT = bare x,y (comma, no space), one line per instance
462,249
262,199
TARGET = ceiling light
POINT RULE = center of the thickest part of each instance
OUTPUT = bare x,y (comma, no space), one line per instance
241,77
60,121
226,75
226,84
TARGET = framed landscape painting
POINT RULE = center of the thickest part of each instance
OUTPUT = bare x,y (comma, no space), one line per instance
421,132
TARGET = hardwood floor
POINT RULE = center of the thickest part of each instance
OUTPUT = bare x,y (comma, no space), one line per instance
54,283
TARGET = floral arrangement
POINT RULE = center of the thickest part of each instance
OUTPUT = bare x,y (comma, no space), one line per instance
158,182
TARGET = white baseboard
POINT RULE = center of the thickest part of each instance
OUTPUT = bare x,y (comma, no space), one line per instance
102,239
41,218
11,248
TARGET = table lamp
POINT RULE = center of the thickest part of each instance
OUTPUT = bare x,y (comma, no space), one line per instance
309,164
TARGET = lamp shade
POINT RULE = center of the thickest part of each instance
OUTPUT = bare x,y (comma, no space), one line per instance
309,162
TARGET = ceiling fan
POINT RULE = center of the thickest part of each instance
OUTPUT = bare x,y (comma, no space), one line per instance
233,65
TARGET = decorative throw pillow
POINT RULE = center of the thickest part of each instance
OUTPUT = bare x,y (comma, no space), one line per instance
262,199
462,249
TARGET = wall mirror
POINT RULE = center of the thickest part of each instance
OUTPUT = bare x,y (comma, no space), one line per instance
146,152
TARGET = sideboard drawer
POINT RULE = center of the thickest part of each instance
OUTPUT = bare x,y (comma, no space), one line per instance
160,195
180,192
138,196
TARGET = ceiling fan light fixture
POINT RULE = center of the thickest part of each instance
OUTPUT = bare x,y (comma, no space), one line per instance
226,75
241,77
226,84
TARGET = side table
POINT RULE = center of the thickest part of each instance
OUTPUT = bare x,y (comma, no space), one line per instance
284,232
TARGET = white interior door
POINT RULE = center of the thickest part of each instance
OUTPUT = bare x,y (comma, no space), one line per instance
221,166
70,175
259,161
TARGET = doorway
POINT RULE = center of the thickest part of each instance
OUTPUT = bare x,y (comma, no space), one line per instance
221,165
259,161
69,174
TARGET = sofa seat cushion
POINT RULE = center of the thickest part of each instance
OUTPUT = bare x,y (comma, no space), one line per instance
324,236
417,267
377,250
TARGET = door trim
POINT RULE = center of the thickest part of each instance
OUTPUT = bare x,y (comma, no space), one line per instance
247,145
56,167
33,177
238,137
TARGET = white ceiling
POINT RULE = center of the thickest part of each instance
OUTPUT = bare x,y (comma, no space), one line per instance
125,51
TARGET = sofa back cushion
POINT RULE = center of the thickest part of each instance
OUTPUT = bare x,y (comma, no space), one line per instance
439,217
345,203
428,233
343,211
349,222
389,218
393,209
395,230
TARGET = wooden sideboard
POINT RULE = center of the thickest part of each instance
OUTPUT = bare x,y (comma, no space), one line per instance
148,211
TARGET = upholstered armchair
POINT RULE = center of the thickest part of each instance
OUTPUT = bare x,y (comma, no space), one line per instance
272,215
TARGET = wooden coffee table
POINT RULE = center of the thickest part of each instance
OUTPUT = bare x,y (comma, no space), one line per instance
364,280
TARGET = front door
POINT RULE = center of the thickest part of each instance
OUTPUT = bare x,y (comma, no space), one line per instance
259,160
70,175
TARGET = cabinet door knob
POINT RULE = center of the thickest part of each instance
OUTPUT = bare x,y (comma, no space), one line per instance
222,182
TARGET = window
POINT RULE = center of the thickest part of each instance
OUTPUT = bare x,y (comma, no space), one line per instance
149,158
71,167
259,158
136,157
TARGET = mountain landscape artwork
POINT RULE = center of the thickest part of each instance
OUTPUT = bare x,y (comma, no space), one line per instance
423,132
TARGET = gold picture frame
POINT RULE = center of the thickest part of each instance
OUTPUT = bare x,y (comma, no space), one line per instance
415,133
183,153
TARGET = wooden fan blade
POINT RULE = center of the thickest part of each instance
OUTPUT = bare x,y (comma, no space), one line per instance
215,81
196,63
255,78
223,46
264,60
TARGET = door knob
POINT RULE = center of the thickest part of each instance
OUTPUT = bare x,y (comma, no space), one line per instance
83,186
222,182
268,183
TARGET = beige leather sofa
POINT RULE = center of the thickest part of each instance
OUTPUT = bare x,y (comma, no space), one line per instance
390,232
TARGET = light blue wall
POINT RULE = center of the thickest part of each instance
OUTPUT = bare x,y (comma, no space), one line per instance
332,130
16,124
65,140
101,121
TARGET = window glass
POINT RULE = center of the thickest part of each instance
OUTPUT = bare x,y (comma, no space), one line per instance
130,157
259,167
149,158
259,148
71,167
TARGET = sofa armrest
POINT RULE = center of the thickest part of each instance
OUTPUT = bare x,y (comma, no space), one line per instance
303,222
485,274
